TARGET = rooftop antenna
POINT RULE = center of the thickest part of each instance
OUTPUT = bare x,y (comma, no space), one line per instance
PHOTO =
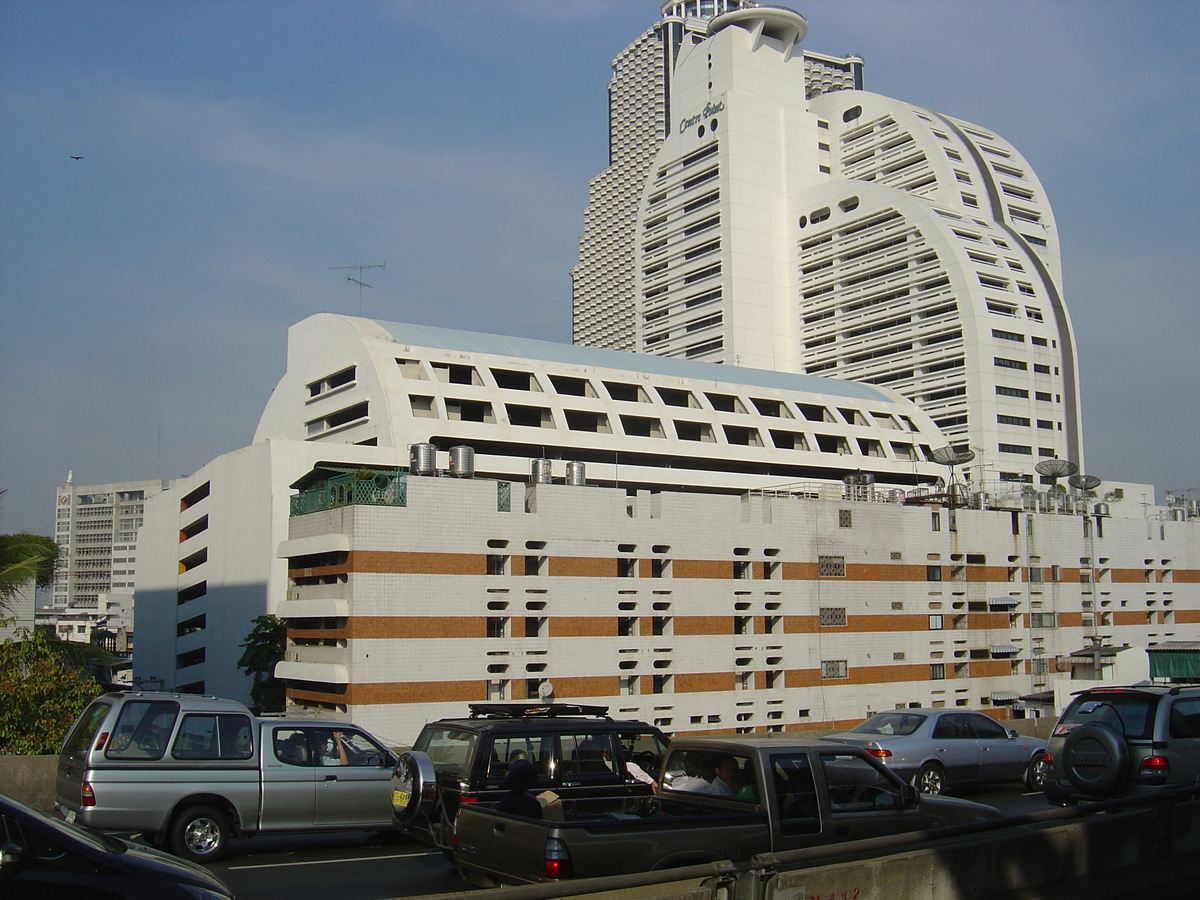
361,284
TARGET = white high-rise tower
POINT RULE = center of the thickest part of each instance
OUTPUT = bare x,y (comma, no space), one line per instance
755,216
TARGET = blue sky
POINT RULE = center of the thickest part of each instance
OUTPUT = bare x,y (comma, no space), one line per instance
234,151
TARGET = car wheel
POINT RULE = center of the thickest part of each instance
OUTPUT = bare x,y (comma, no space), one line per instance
1094,758
1035,773
200,834
930,779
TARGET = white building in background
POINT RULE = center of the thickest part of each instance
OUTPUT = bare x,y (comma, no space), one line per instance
96,527
752,217
636,531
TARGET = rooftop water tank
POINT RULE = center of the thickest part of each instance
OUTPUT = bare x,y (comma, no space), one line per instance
462,461
539,471
576,473
422,459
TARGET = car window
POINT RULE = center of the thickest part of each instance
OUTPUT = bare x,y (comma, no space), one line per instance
85,729
292,747
450,749
987,729
889,723
644,748
42,851
795,794
1185,718
1129,714
142,730
508,748
854,785
711,772
587,756
952,727
207,736
345,747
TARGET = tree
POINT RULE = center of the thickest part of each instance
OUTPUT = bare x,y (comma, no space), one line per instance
25,559
265,646
41,695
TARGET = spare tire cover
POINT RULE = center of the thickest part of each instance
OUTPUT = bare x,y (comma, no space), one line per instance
1094,758
414,787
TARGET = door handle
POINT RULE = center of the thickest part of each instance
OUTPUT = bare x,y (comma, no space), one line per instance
498,828
331,778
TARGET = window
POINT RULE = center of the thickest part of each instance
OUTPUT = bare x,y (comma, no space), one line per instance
1013,420
1008,336
845,518
832,616
142,730
935,622
933,573
1015,448
1012,392
834,668
831,566
937,671
1011,363
855,785
1043,620
1040,369
497,626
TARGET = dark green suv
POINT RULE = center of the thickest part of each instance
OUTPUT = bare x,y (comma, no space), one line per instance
578,751
1116,741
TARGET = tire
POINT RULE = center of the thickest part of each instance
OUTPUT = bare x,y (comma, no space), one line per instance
930,779
200,834
1095,759
1035,773
415,795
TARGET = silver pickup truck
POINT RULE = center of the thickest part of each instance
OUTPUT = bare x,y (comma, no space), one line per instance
187,772
716,799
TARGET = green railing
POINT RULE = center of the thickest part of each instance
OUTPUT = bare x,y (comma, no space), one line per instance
363,488
504,496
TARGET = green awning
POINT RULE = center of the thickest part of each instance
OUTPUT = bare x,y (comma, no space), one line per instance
1168,661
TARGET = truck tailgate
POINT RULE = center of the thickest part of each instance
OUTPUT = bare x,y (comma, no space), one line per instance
511,847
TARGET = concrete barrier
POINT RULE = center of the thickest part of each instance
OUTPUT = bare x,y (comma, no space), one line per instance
29,779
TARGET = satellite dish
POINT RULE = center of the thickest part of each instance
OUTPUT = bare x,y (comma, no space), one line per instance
951,456
1084,482
545,692
858,478
1056,468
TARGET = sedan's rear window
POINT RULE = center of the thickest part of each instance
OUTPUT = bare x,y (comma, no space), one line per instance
1131,715
889,723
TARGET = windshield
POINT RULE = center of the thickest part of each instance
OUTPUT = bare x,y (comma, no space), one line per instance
889,723
450,749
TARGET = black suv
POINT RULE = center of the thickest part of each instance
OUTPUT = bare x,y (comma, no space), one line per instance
1116,741
579,751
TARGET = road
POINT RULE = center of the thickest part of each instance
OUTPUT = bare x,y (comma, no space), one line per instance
368,866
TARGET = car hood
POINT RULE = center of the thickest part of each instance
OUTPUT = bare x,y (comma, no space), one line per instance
150,863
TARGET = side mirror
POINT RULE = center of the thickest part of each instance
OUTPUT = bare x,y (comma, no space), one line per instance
911,798
1013,734
10,856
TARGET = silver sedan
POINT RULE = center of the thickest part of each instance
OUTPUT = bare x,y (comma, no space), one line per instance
936,749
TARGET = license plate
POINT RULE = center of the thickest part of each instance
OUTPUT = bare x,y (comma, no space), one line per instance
400,798
70,817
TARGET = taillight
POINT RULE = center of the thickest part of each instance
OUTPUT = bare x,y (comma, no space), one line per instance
468,799
100,741
877,751
1156,768
558,860
87,797
1047,759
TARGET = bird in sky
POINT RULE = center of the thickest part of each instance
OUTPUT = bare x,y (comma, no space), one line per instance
76,157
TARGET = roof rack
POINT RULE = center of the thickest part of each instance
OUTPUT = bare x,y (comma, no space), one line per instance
534,710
